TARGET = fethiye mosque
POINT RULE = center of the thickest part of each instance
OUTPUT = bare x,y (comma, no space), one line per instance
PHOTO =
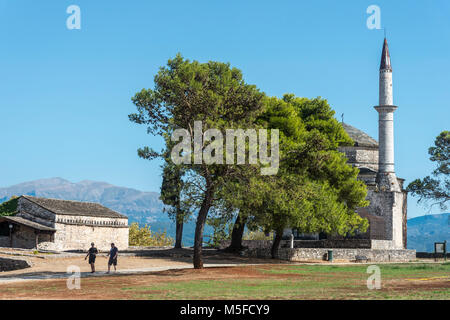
387,212
388,207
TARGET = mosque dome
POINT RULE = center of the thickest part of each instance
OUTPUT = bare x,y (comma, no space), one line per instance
360,138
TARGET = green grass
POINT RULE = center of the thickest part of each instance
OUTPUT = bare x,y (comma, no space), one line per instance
387,270
232,289
311,282
36,252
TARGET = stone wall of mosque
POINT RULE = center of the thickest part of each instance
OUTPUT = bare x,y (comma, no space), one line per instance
361,157
390,205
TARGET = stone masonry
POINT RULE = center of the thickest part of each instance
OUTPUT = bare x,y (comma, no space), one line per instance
304,254
10,264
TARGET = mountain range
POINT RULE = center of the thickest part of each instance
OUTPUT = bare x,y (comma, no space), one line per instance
139,206
144,207
147,208
425,230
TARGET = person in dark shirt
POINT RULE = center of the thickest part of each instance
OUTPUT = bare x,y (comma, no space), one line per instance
92,254
112,257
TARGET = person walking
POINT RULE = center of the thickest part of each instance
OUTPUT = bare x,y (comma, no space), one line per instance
112,257
92,254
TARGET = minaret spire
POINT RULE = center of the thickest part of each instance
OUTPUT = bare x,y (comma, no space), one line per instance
390,199
386,172
385,57
386,94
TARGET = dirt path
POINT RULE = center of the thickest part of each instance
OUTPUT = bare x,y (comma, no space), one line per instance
63,267
45,275
114,287
61,264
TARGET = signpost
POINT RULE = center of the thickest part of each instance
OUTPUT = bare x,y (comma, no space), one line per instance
440,247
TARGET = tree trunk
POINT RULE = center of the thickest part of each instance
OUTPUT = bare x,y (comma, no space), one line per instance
201,219
276,244
178,232
237,234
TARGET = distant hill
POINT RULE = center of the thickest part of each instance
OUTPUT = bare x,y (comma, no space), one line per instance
139,206
425,230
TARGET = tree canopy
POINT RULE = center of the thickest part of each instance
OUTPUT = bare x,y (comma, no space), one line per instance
315,189
145,237
187,92
435,189
9,208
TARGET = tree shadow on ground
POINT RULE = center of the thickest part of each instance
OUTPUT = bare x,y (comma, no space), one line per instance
210,256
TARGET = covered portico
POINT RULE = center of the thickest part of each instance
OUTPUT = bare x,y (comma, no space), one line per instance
22,233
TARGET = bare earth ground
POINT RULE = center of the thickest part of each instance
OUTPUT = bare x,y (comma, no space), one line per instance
61,264
257,281
126,261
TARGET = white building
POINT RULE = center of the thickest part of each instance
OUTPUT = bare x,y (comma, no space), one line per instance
63,225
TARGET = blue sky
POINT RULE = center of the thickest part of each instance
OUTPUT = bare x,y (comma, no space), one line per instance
65,94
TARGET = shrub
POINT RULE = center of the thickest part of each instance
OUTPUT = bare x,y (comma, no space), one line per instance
257,235
143,236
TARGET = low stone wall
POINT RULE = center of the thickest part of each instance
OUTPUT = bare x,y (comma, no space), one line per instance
251,244
430,255
48,246
382,244
350,243
302,254
9,264
347,243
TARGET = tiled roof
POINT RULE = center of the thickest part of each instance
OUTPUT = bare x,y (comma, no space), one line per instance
75,208
360,138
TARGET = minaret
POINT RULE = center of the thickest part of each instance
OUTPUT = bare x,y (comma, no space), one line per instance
386,179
